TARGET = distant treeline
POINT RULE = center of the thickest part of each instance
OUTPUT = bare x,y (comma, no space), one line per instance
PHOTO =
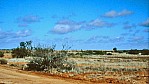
6,50
99,52
91,52
142,52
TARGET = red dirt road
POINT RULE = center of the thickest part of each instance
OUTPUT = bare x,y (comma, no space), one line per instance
14,76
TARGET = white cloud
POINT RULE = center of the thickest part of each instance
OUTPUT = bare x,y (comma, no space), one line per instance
129,26
136,39
146,30
145,23
113,13
117,39
105,39
62,29
22,25
10,39
5,34
23,33
124,12
26,20
100,23
29,19
66,26
10,34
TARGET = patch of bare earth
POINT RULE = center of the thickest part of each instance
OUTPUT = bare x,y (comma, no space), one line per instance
14,76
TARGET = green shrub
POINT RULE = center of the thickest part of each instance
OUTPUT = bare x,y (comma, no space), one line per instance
36,65
13,65
145,52
109,53
19,52
3,61
1,54
133,51
99,52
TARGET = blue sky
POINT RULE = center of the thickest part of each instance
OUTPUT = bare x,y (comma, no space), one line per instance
81,24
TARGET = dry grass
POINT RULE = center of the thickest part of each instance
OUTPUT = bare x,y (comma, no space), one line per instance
7,55
119,68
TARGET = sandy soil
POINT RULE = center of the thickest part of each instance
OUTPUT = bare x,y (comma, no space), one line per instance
14,76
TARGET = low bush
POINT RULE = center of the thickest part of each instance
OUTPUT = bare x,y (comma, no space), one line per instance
1,54
14,65
19,52
109,53
3,61
35,65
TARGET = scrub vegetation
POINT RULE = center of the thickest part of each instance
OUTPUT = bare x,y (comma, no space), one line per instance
113,66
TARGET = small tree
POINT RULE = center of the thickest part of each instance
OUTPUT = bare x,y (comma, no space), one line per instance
22,44
115,49
22,51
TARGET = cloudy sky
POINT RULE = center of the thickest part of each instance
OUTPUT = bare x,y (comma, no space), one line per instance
81,24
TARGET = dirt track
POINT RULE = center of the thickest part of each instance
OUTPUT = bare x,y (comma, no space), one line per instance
14,76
